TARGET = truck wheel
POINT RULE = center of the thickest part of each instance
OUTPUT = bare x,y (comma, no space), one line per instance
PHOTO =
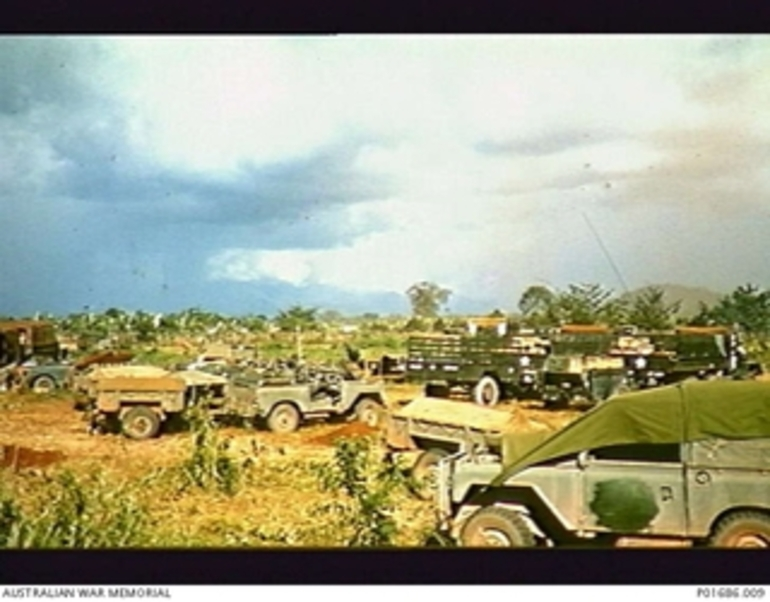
140,423
487,391
370,412
742,530
496,527
43,384
283,419
424,473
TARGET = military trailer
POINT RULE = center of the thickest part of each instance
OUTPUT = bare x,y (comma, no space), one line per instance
436,428
491,366
582,366
139,404
282,408
686,464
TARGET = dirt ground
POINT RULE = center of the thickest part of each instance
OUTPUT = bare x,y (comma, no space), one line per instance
41,433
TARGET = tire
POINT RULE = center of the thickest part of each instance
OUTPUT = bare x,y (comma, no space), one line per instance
284,418
424,473
43,384
436,390
742,530
492,526
369,412
140,423
487,391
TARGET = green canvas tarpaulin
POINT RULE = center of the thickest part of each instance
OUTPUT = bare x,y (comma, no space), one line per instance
689,411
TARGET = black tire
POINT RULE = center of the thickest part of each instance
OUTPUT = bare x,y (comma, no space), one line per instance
424,473
436,390
742,530
140,423
496,527
43,384
487,391
284,418
370,412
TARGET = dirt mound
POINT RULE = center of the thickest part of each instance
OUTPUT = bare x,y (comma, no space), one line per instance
17,457
354,429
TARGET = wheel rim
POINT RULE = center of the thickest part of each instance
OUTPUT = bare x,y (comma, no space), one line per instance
42,385
494,538
141,426
284,420
751,540
369,417
488,394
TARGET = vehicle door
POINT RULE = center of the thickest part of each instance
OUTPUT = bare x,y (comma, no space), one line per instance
636,488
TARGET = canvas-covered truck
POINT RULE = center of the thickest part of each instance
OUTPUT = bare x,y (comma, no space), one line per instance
490,367
432,429
686,464
30,356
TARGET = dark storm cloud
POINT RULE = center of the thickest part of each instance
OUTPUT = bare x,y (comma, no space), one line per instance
44,71
545,144
87,219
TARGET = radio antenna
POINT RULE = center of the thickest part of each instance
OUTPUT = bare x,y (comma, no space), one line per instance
606,252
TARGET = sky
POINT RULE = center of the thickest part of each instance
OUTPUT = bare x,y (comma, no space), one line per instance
247,174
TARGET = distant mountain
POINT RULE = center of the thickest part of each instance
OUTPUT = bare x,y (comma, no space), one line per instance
690,296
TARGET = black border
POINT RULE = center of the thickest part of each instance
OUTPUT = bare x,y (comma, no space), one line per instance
384,567
378,567
371,16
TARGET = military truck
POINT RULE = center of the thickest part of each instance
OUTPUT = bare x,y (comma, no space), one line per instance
489,365
283,408
684,464
690,352
582,366
436,428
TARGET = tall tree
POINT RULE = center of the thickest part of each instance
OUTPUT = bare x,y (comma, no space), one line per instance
427,298
649,310
747,306
538,306
590,304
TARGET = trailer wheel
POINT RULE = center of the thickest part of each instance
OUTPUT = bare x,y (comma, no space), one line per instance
284,418
140,423
424,473
494,527
742,530
43,384
487,391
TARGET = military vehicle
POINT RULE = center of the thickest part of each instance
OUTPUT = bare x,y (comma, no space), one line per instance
138,400
581,366
282,408
689,352
30,356
437,428
685,464
490,364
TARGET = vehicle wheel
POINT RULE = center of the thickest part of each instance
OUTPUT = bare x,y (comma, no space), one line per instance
370,412
742,530
424,473
436,390
283,419
140,423
487,391
43,384
496,527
